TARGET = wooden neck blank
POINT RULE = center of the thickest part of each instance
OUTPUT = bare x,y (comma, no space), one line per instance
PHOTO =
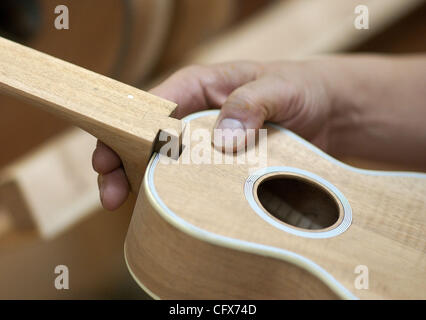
125,118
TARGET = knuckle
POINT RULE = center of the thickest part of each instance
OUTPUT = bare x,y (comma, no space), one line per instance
191,70
246,99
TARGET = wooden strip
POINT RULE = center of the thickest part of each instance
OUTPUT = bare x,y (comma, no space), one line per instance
50,189
125,118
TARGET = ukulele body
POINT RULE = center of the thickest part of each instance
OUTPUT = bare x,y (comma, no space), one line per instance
305,226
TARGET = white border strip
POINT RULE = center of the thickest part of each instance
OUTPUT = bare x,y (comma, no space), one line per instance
140,284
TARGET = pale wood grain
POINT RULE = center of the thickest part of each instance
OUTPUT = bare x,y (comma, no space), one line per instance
387,233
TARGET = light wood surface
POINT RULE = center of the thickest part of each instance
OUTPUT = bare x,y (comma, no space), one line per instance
125,118
50,189
210,216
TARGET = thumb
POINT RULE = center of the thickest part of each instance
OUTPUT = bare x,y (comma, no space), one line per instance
249,106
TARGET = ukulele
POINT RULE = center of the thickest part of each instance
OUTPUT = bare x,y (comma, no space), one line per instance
287,222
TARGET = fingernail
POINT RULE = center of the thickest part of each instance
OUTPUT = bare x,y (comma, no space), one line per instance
229,135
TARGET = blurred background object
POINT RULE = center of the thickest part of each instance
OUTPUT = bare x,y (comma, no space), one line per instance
299,29
49,208
118,38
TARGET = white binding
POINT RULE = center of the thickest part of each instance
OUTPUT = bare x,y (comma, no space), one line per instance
335,231
245,246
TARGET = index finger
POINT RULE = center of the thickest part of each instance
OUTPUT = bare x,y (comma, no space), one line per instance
199,87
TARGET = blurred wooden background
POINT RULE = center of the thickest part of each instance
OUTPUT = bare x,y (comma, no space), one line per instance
137,42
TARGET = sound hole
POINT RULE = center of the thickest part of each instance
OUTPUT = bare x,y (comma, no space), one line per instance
298,202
